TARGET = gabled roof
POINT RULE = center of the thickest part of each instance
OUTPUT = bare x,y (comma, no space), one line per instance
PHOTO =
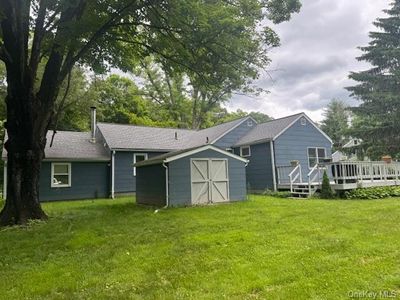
70,145
119,136
171,156
273,129
267,131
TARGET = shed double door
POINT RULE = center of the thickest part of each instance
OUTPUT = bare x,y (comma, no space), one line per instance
209,180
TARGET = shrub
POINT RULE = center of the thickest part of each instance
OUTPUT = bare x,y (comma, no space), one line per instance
374,193
326,190
277,194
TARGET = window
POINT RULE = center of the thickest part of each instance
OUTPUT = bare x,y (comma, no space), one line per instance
245,151
303,121
60,175
138,157
249,123
315,155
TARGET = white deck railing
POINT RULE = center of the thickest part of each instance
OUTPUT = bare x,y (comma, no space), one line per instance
295,176
360,171
283,174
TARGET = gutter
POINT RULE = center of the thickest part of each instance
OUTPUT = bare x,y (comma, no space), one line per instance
112,174
166,186
272,150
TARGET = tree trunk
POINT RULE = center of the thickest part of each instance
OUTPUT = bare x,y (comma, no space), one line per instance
22,203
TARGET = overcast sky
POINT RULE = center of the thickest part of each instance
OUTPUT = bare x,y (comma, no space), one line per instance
318,50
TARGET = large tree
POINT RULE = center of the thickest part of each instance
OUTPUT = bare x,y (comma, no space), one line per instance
336,122
378,88
102,34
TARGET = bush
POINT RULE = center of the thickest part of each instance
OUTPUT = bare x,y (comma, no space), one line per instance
373,193
277,194
326,190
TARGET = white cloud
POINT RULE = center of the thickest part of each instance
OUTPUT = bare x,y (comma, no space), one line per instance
319,49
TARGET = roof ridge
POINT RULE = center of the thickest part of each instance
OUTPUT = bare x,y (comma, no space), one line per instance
301,113
144,126
224,123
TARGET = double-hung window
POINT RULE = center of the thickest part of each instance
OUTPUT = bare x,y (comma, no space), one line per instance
245,151
138,157
315,155
60,175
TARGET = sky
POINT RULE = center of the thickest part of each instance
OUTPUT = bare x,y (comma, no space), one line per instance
318,50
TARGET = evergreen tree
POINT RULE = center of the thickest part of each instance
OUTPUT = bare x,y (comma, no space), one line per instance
378,88
326,190
335,123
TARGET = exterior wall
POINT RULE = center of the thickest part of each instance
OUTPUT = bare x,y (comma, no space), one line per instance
180,178
88,180
151,188
294,142
259,170
233,136
124,181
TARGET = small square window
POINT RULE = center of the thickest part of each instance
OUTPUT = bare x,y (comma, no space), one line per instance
245,151
60,175
249,123
303,121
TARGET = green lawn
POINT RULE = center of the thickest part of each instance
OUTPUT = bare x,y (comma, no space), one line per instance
264,248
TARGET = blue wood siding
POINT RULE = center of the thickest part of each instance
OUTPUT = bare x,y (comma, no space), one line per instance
151,185
259,170
230,139
293,144
124,181
88,180
180,178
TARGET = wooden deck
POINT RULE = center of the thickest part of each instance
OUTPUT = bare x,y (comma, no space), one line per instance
346,175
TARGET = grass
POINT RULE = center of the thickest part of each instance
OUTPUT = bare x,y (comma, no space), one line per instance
264,248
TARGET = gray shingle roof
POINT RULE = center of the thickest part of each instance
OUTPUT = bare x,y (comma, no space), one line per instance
268,130
119,136
72,145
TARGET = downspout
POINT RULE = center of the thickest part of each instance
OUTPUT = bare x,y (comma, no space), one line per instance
271,143
112,174
5,180
166,186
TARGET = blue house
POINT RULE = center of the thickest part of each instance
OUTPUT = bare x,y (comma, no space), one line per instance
105,161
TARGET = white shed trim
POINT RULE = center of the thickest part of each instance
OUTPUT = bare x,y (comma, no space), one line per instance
200,149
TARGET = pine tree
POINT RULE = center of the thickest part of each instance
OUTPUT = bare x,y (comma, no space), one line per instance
326,190
378,88
335,122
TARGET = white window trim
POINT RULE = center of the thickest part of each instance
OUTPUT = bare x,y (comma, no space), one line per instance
146,157
317,157
53,185
303,121
250,123
241,151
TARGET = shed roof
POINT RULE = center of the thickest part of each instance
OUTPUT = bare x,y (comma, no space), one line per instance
171,156
71,145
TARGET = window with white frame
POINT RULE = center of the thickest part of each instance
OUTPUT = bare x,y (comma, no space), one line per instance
249,123
138,157
60,175
315,155
303,121
245,151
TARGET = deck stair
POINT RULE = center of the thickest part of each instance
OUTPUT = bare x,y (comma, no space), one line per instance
303,190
